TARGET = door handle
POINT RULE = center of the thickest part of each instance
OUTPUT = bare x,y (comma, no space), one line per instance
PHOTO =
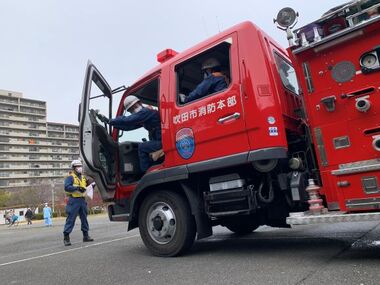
234,116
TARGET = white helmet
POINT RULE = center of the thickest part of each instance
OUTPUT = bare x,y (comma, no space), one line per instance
76,163
129,101
210,63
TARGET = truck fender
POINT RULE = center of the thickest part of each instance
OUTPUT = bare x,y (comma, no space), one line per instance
204,227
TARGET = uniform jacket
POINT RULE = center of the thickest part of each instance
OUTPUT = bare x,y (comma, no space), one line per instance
147,118
209,85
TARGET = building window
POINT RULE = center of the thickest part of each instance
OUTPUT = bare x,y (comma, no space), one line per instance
2,139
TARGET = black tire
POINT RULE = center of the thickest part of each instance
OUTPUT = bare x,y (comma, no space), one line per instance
242,225
178,241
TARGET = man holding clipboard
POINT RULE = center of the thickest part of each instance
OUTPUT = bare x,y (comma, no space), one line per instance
76,187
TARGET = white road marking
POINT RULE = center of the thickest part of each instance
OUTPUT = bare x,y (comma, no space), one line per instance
67,250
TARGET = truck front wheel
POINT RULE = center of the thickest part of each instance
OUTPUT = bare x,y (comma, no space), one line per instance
166,225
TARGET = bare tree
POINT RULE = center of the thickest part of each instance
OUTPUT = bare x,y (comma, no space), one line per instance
4,198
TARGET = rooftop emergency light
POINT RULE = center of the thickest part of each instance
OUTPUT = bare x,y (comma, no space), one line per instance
166,55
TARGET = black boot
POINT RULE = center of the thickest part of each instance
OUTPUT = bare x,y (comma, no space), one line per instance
87,238
66,240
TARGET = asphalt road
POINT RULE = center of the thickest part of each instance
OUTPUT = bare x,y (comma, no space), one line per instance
347,253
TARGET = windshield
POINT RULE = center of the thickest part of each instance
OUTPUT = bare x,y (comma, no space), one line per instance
287,74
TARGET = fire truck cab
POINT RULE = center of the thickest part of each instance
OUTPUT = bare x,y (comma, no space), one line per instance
242,157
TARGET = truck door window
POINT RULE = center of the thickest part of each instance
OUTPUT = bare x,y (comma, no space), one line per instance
148,95
191,73
287,74
101,102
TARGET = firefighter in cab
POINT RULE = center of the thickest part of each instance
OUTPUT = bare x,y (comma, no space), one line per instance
141,117
75,188
214,81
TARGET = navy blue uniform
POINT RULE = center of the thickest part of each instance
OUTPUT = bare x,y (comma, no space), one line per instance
150,120
74,207
209,85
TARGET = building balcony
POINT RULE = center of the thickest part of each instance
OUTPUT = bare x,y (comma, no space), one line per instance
19,127
62,174
21,119
8,102
55,130
8,109
67,159
16,168
39,137
33,106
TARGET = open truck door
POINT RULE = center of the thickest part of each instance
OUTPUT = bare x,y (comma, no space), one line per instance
97,148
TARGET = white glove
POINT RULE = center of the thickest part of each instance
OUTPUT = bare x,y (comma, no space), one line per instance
182,98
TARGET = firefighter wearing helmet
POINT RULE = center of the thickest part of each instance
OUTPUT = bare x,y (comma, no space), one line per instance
75,188
147,118
214,81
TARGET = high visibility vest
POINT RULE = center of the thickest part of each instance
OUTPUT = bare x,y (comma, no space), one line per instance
77,183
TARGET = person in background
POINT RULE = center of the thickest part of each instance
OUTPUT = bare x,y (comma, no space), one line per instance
13,218
75,188
47,215
214,81
7,217
28,216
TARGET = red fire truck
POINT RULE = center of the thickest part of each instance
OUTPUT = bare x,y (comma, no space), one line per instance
293,139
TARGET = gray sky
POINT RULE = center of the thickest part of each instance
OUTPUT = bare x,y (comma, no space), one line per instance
45,44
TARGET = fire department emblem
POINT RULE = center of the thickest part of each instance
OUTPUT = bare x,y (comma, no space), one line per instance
185,144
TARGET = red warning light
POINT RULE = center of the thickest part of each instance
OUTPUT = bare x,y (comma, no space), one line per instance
165,55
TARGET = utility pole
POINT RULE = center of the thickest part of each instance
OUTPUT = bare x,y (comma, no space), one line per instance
52,196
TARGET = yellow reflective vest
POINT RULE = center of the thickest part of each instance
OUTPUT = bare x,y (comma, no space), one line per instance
77,183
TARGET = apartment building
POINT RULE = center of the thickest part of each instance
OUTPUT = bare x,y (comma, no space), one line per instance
32,150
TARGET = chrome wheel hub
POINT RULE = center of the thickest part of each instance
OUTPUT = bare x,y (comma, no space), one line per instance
161,222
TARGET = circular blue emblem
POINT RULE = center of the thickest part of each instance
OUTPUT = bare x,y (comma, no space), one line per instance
271,120
185,144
